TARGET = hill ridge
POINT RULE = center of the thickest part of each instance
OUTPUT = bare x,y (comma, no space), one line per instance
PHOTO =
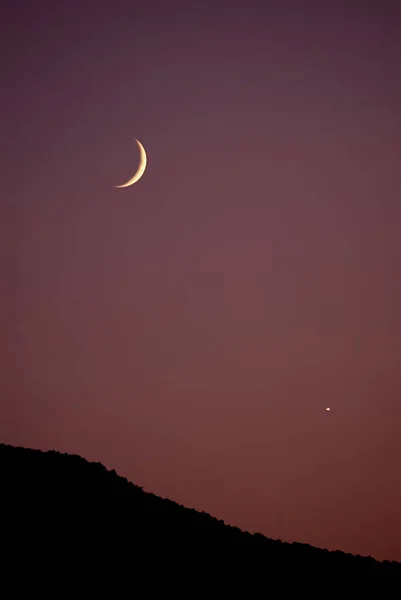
51,483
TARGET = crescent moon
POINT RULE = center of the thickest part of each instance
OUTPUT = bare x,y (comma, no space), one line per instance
140,170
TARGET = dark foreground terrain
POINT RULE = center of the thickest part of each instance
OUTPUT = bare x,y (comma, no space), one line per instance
60,510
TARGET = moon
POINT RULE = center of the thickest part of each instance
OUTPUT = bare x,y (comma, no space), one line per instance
141,168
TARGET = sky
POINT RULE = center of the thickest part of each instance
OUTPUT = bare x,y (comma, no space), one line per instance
190,331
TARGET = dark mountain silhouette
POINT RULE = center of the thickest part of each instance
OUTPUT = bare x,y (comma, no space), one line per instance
58,507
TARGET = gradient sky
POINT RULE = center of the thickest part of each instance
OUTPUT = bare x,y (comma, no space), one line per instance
190,331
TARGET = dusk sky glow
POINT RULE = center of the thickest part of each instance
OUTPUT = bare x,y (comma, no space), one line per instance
192,330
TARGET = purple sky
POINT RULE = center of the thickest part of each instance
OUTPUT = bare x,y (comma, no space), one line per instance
190,331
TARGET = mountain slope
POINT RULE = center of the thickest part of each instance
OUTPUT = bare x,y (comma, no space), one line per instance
60,503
